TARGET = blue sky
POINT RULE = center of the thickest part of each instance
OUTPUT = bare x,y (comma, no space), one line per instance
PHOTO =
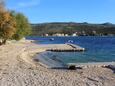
92,11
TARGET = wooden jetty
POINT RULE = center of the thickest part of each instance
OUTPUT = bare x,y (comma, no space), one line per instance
69,48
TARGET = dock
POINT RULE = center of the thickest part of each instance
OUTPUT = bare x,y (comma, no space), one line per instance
91,64
68,47
47,62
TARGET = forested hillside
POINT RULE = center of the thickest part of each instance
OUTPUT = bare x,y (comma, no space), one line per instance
69,28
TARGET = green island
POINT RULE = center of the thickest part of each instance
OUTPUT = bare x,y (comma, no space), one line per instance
72,28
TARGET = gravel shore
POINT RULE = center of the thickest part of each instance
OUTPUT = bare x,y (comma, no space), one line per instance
18,69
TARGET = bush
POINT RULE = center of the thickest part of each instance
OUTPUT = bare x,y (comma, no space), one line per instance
7,26
23,27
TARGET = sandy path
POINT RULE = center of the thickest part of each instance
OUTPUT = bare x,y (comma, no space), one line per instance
16,72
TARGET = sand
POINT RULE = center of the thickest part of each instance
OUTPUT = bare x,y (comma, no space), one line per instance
18,69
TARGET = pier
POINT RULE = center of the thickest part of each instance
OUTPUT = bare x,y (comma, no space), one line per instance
47,62
91,64
68,47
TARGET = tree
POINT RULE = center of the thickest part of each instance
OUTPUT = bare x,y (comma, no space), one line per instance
1,4
22,28
7,25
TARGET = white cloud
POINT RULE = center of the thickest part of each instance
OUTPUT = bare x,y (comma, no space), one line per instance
30,3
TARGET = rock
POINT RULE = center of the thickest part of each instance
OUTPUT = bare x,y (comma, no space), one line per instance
112,66
72,67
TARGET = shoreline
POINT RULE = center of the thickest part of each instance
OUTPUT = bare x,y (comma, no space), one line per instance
57,64
70,36
18,68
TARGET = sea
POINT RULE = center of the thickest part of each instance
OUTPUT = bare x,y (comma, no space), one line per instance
98,48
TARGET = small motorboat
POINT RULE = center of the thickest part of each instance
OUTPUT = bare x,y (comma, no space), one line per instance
70,41
51,39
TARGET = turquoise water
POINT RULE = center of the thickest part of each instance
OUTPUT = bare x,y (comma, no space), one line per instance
98,49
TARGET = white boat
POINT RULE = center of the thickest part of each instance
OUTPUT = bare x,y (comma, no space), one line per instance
70,41
51,39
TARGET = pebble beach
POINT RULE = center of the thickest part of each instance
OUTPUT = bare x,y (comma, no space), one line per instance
17,68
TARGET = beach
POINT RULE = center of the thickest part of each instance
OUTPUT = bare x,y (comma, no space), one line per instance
17,68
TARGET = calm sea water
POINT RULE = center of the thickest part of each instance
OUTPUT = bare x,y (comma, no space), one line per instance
98,49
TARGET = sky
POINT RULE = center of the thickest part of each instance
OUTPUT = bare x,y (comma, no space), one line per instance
40,11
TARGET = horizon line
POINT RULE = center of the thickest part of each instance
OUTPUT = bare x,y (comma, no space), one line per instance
71,22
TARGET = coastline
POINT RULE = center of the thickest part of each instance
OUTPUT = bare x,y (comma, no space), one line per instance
58,64
18,68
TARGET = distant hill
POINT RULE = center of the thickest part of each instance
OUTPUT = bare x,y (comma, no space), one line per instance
72,27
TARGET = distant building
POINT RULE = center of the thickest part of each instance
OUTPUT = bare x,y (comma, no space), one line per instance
83,33
66,34
74,34
58,34
46,35
94,32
